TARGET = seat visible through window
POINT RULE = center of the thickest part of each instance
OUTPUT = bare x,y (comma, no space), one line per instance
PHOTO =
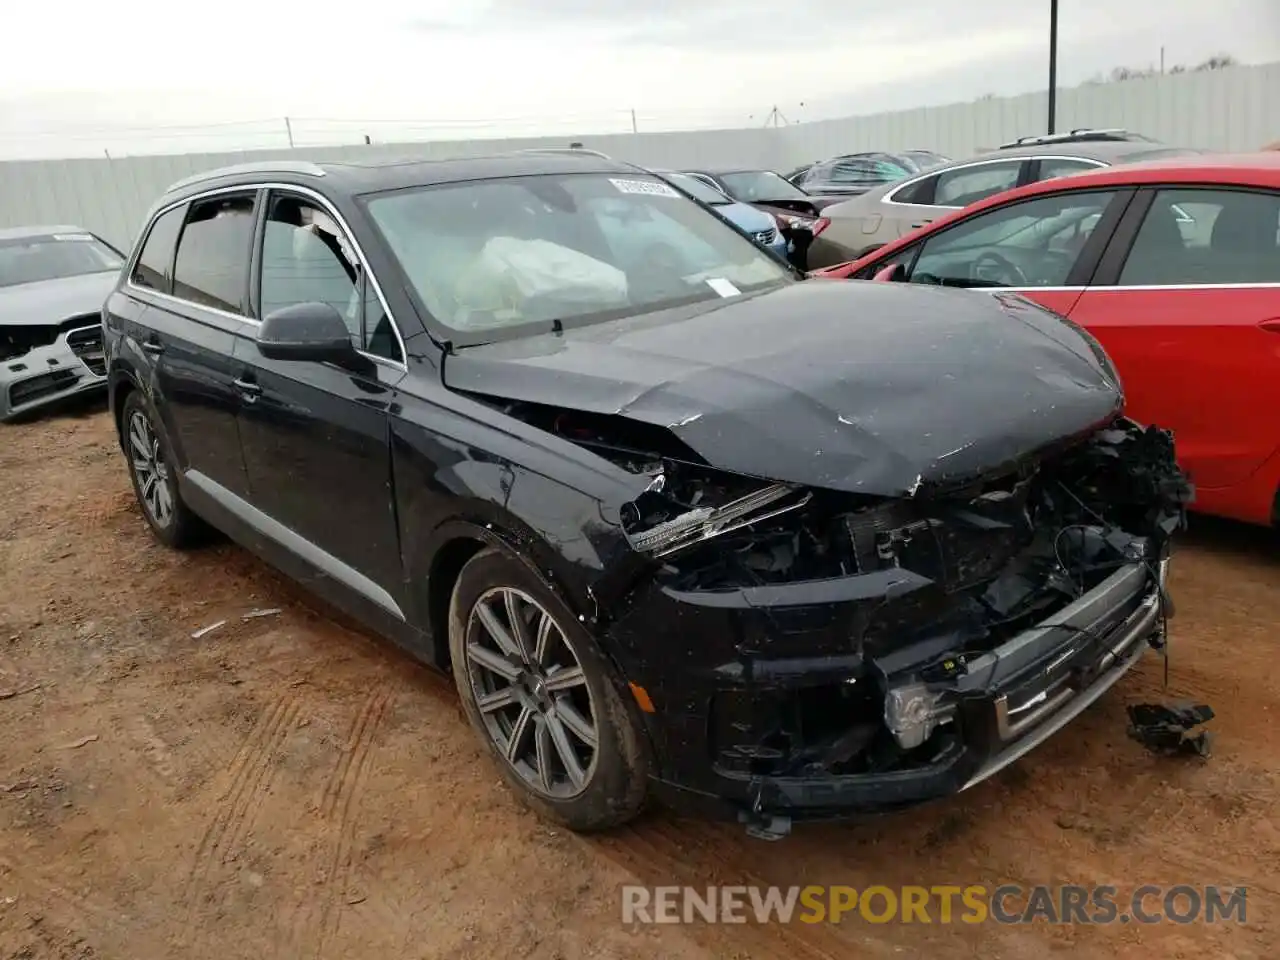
1243,242
1158,254
1206,236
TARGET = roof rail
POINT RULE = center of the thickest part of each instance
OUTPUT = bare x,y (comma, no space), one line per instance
1079,135
304,167
567,151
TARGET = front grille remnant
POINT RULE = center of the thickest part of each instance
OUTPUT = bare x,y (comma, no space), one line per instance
766,237
36,388
86,343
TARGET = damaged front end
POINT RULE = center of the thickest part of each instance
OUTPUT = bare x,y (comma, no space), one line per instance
815,652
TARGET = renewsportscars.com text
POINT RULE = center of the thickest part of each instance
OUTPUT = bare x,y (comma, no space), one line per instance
973,904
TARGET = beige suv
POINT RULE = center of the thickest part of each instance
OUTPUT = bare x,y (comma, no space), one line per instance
861,224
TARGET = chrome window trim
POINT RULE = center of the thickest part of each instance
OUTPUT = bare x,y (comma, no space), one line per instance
888,197
1189,286
1031,289
310,194
1137,286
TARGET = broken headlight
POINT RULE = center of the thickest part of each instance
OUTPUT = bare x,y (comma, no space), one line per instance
913,712
668,533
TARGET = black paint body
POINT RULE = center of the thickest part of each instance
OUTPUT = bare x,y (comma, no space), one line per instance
370,486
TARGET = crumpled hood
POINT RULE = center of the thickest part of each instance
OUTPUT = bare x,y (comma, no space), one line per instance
52,301
859,386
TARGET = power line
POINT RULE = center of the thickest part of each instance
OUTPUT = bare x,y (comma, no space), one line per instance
229,128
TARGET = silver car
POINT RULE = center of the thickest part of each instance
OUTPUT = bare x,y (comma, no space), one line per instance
53,282
861,224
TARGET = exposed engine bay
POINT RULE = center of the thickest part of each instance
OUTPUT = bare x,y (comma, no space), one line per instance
1031,537
930,582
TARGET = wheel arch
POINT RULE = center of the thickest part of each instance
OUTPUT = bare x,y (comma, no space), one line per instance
455,541
120,383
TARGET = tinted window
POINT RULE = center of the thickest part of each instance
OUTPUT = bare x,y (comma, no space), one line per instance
54,256
494,255
755,186
1034,243
306,258
1207,236
966,185
212,266
1049,169
919,192
155,264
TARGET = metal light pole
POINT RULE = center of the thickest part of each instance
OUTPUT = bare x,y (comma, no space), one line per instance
1053,63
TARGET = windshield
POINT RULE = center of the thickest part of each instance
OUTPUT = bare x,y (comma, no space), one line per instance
698,190
924,160
494,256
756,186
53,256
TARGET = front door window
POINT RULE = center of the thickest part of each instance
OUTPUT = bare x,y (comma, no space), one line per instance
1034,243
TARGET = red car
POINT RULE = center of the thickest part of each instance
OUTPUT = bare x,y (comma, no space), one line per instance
1174,266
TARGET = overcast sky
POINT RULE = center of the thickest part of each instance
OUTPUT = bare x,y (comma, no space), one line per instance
148,75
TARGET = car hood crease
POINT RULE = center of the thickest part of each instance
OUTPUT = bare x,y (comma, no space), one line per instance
861,387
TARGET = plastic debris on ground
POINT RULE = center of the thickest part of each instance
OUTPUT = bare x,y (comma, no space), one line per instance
1166,730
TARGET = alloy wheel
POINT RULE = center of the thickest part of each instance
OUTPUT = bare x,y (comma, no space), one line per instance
532,693
150,470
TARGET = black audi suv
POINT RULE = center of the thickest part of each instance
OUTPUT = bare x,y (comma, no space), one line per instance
679,521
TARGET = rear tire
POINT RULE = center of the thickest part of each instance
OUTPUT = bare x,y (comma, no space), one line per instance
155,483
540,694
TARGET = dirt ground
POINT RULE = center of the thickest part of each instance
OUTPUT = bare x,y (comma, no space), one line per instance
287,787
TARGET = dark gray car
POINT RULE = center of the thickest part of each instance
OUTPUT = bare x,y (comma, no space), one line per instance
53,281
863,223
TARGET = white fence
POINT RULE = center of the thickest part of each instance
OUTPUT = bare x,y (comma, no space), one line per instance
1217,110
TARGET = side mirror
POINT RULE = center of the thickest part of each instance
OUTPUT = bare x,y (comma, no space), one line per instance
308,331
892,273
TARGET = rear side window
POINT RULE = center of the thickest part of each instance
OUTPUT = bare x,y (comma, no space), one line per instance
1204,236
966,185
154,267
212,265
1061,167
920,192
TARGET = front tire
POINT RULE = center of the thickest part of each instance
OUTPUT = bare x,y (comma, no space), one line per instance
152,471
537,689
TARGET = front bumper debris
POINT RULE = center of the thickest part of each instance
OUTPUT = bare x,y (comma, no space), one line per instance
1004,705
926,644
74,363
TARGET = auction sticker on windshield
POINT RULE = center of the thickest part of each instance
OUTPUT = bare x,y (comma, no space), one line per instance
649,187
723,287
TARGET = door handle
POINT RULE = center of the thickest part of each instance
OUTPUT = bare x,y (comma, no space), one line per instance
153,347
920,223
249,390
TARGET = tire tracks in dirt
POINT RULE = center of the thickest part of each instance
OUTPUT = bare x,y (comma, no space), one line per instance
316,922
249,774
